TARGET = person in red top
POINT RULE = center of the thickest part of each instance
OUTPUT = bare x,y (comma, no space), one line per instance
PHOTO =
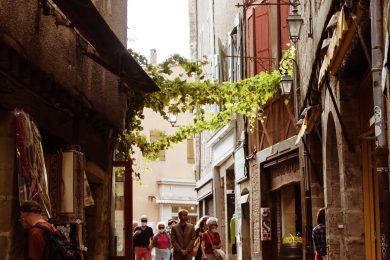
211,239
30,215
162,243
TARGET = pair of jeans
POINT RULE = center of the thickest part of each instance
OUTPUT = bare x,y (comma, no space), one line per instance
143,253
163,254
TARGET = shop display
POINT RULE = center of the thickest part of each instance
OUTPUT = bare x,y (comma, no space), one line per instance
30,163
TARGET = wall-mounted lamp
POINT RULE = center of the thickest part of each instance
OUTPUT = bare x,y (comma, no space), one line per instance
294,22
172,119
289,84
286,83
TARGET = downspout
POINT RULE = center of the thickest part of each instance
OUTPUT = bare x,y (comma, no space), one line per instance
307,168
381,145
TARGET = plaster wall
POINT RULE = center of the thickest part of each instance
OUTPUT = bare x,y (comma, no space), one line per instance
175,167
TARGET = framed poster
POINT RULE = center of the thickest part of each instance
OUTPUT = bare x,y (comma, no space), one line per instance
265,224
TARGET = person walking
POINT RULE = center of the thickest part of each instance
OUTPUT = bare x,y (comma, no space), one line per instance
142,239
37,241
171,223
200,228
211,240
319,236
162,243
183,237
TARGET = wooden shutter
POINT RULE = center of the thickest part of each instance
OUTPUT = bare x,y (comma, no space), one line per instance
190,151
217,67
284,10
230,60
154,136
250,42
262,39
237,23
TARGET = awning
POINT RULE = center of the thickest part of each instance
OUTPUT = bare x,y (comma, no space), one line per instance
92,26
172,201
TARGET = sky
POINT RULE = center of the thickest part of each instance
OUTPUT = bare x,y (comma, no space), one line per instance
158,24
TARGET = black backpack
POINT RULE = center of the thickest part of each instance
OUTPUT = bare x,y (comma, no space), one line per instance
59,247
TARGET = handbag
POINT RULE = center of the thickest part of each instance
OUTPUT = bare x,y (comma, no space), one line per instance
218,253
196,245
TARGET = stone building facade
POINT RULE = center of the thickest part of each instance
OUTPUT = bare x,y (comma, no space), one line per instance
54,68
342,79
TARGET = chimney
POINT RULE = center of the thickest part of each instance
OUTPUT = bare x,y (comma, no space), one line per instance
153,57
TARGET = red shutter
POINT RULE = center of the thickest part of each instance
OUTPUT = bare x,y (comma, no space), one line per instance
262,38
284,10
250,43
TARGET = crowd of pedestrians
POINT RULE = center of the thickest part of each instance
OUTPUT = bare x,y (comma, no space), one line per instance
179,240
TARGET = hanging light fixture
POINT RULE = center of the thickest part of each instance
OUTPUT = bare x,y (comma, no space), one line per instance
294,22
172,119
286,83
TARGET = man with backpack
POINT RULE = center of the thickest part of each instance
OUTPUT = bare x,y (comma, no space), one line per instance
44,242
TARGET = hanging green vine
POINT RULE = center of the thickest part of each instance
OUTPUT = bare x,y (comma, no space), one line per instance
245,97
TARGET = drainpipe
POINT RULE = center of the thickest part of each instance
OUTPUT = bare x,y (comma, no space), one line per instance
308,205
381,145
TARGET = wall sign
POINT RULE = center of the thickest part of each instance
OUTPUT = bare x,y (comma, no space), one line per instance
240,168
265,224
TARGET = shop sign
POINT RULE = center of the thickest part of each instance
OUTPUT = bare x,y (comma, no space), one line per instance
284,173
240,167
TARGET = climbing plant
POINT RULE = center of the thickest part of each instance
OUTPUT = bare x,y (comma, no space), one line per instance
246,97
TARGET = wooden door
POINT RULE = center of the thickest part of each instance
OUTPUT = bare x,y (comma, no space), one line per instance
123,211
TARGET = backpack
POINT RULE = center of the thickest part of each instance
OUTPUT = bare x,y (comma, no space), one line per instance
59,247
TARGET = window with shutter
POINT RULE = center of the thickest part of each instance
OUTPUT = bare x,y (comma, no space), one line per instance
154,136
217,67
262,45
250,42
238,70
190,151
230,58
284,37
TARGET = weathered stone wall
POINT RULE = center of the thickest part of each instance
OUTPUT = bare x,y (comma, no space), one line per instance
343,175
254,173
52,48
12,240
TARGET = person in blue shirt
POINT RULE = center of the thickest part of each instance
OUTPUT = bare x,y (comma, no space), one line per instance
319,236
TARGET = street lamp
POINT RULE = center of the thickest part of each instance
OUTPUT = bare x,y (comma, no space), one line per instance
172,119
286,83
294,22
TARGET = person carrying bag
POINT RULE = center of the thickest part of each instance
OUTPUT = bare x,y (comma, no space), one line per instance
211,242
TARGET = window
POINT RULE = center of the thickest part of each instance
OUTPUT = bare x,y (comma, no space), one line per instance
192,212
154,136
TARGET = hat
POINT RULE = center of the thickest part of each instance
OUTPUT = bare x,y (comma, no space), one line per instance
30,206
171,221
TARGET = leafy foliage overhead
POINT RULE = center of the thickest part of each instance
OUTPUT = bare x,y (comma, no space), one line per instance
246,97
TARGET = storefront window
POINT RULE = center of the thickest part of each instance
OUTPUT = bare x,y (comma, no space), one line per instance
192,212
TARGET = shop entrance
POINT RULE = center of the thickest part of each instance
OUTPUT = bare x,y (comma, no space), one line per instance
123,211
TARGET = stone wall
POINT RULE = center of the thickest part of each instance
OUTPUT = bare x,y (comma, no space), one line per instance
343,175
52,48
12,240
